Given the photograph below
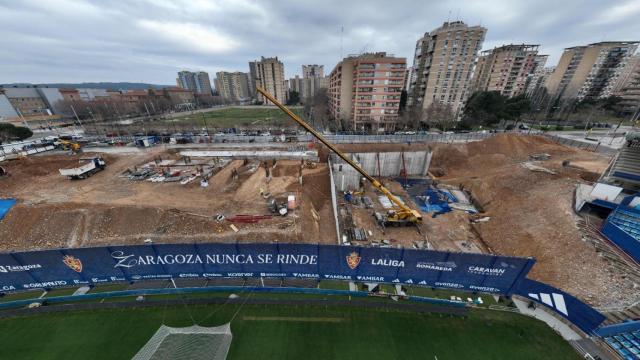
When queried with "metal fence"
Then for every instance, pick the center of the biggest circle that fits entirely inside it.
(596, 147)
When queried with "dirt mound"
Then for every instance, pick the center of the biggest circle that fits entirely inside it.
(286, 168)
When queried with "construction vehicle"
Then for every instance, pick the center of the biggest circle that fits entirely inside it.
(400, 214)
(69, 145)
(92, 166)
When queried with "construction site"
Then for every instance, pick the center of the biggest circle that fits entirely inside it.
(508, 195)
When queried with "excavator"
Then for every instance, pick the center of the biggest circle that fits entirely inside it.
(400, 214)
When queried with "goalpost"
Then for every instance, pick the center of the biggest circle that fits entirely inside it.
(187, 343)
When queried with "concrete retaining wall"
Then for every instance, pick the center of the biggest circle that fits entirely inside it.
(416, 163)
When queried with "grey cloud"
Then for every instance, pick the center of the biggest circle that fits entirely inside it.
(149, 40)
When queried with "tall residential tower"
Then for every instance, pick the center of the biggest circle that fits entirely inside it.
(443, 65)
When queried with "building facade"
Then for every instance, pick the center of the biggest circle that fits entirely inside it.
(364, 91)
(629, 89)
(270, 76)
(198, 82)
(591, 71)
(444, 64)
(505, 69)
(233, 85)
(253, 78)
(27, 101)
(312, 71)
(7, 111)
(538, 76)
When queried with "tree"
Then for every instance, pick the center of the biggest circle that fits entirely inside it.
(403, 101)
(12, 132)
(439, 115)
(294, 98)
(490, 107)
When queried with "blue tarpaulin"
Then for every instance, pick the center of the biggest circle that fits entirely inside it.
(5, 206)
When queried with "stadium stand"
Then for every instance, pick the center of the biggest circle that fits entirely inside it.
(625, 168)
(623, 338)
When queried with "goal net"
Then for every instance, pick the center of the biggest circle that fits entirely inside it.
(192, 343)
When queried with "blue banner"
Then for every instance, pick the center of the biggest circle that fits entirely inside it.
(567, 306)
(66, 267)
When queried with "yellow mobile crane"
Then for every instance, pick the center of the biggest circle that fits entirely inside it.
(401, 213)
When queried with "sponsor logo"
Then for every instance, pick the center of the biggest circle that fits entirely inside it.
(387, 262)
(484, 288)
(273, 274)
(353, 260)
(73, 263)
(449, 285)
(7, 287)
(306, 275)
(370, 278)
(44, 284)
(438, 266)
(337, 277)
(486, 271)
(553, 300)
(17, 268)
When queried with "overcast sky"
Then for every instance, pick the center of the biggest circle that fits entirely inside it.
(150, 40)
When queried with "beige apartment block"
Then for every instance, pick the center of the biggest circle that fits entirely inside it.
(270, 76)
(506, 69)
(364, 91)
(590, 71)
(443, 66)
(233, 85)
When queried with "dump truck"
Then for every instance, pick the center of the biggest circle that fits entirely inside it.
(90, 167)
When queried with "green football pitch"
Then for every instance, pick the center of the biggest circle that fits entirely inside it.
(288, 332)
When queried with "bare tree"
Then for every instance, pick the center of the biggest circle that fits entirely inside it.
(439, 115)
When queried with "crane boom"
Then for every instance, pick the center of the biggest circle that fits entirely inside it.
(405, 212)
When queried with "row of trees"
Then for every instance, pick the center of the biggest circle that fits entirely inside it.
(110, 108)
(10, 132)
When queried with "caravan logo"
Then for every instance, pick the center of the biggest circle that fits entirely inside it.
(557, 302)
(73, 263)
(353, 260)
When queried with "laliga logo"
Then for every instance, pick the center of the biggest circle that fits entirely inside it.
(353, 260)
(73, 263)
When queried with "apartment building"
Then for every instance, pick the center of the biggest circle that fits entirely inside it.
(307, 86)
(505, 69)
(444, 64)
(629, 89)
(270, 76)
(312, 71)
(198, 82)
(253, 77)
(364, 90)
(591, 71)
(233, 85)
(538, 76)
